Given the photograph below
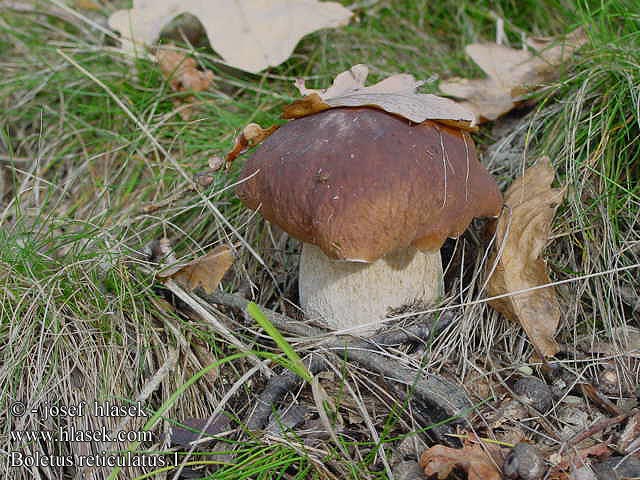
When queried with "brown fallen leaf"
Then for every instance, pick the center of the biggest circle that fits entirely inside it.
(396, 94)
(510, 73)
(440, 460)
(574, 458)
(183, 75)
(250, 136)
(248, 34)
(204, 272)
(553, 52)
(522, 236)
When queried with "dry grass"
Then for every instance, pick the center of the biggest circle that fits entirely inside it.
(95, 164)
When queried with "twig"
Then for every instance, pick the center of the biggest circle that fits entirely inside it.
(281, 322)
(597, 427)
(397, 336)
(276, 389)
(437, 398)
(596, 396)
(195, 305)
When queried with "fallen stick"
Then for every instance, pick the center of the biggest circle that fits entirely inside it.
(281, 322)
(434, 397)
(598, 427)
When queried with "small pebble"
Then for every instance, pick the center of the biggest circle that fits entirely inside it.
(535, 392)
(524, 462)
(408, 470)
(615, 468)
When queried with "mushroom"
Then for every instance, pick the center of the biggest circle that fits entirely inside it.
(372, 197)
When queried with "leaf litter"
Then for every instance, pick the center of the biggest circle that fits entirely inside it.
(477, 459)
(183, 75)
(511, 73)
(522, 233)
(205, 272)
(250, 35)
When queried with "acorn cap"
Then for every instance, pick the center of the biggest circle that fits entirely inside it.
(360, 183)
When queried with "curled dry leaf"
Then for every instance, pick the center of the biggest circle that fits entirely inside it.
(522, 236)
(440, 460)
(396, 94)
(510, 73)
(183, 75)
(250, 136)
(248, 34)
(204, 272)
(576, 458)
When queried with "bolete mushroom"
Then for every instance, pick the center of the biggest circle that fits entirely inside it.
(373, 197)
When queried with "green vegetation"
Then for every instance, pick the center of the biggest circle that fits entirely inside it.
(84, 190)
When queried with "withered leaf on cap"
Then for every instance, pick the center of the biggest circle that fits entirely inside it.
(396, 94)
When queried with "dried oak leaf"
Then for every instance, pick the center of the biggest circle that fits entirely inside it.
(396, 94)
(510, 73)
(440, 460)
(204, 272)
(183, 75)
(250, 35)
(522, 236)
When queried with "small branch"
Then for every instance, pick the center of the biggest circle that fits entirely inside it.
(281, 322)
(437, 398)
(195, 305)
(397, 336)
(276, 389)
(434, 397)
(596, 396)
(598, 427)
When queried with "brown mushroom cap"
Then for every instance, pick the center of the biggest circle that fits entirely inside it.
(360, 183)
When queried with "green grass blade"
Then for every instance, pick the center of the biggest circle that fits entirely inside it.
(296, 365)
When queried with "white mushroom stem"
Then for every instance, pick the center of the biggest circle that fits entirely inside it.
(346, 295)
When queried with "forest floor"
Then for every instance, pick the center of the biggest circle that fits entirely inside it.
(97, 166)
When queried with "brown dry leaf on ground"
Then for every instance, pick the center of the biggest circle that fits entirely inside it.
(522, 236)
(510, 73)
(396, 94)
(248, 34)
(183, 75)
(573, 458)
(472, 458)
(204, 272)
